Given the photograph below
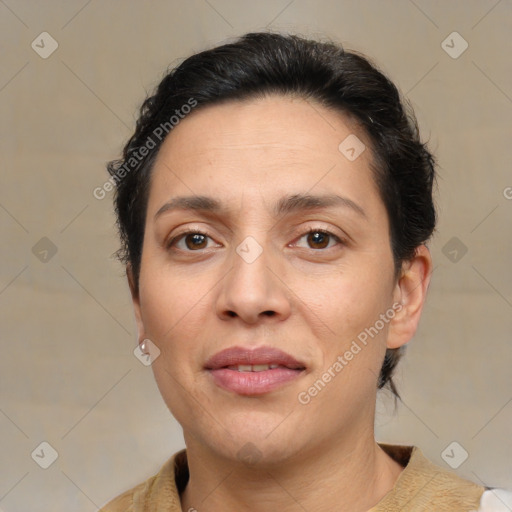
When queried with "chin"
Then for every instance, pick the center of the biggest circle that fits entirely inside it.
(266, 453)
(259, 443)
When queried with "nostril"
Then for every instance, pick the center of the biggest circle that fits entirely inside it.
(269, 313)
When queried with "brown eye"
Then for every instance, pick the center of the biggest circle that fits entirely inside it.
(195, 241)
(190, 241)
(318, 240)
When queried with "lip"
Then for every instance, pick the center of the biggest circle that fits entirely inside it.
(253, 382)
(262, 355)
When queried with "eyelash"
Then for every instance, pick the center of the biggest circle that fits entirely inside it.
(179, 237)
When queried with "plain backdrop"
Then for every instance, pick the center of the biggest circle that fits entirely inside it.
(68, 374)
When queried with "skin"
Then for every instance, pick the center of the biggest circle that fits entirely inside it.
(322, 293)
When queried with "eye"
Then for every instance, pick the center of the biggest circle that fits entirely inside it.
(193, 240)
(320, 238)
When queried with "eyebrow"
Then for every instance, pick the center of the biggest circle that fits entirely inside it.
(286, 205)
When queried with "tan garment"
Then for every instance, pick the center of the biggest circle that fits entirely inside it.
(421, 487)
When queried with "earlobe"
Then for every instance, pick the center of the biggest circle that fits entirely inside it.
(134, 290)
(411, 292)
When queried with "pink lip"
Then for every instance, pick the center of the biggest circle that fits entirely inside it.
(253, 383)
(261, 355)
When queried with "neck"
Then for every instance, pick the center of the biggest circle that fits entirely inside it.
(353, 475)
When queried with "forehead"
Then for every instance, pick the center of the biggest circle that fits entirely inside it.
(269, 144)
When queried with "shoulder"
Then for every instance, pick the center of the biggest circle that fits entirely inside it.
(158, 491)
(496, 500)
(423, 483)
(125, 502)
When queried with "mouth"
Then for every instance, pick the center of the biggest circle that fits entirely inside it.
(253, 372)
(256, 367)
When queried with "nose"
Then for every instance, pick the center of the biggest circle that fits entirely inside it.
(254, 289)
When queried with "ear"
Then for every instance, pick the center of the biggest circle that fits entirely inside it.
(134, 290)
(410, 291)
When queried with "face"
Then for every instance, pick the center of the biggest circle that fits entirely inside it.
(266, 267)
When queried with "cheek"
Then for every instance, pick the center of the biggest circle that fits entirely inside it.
(348, 301)
(168, 307)
(170, 313)
(344, 311)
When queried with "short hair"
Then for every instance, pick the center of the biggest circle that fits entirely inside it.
(262, 64)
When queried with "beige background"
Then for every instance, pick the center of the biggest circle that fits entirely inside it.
(68, 375)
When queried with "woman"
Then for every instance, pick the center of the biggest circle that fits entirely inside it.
(274, 203)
